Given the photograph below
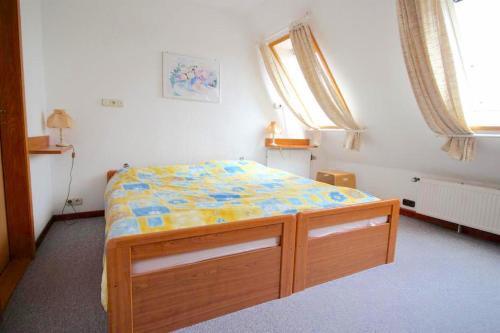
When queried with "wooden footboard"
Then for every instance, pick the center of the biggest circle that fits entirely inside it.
(322, 259)
(179, 296)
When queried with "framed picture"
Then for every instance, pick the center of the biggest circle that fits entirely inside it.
(191, 78)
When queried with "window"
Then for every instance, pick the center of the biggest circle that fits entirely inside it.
(478, 36)
(283, 51)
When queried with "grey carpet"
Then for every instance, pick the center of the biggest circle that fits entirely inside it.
(60, 290)
(441, 282)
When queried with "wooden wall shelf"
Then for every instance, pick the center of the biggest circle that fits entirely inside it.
(40, 145)
(289, 144)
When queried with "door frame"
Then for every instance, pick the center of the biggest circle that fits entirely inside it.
(15, 159)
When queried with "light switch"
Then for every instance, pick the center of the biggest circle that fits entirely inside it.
(113, 103)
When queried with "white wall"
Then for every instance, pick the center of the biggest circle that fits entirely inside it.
(385, 182)
(95, 49)
(35, 97)
(360, 39)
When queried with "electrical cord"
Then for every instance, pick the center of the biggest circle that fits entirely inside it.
(73, 155)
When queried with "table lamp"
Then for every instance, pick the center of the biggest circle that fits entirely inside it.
(273, 129)
(60, 119)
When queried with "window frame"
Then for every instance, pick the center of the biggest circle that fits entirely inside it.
(272, 44)
(478, 127)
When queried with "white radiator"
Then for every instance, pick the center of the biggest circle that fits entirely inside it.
(468, 205)
(296, 161)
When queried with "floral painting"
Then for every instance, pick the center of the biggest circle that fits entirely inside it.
(191, 78)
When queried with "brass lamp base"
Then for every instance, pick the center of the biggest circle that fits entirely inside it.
(61, 140)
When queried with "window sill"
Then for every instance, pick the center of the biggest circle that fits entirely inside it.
(487, 135)
(486, 128)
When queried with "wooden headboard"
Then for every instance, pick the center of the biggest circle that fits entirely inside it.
(110, 174)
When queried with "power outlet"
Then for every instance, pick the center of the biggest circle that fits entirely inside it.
(408, 203)
(75, 202)
(113, 103)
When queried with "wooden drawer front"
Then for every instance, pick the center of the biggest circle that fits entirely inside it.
(185, 295)
(337, 255)
(346, 179)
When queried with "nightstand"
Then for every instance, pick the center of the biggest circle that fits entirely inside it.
(337, 178)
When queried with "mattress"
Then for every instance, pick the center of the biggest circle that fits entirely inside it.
(150, 265)
(153, 199)
(321, 232)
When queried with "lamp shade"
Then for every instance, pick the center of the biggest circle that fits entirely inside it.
(273, 128)
(59, 119)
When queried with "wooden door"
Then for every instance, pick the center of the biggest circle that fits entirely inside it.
(16, 186)
(14, 147)
(4, 240)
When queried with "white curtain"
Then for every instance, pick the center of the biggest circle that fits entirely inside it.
(322, 85)
(284, 87)
(430, 46)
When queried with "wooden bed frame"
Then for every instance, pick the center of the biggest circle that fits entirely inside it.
(175, 297)
(323, 259)
(180, 296)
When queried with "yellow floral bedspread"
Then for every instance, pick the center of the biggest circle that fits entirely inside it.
(144, 200)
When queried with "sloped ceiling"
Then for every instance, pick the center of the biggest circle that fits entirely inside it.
(360, 39)
(234, 6)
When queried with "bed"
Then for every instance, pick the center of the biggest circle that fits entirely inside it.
(187, 243)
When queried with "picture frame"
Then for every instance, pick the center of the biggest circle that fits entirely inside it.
(191, 78)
